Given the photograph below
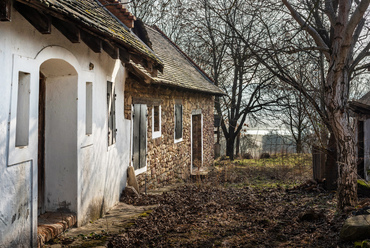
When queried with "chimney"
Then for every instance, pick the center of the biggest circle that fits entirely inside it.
(119, 9)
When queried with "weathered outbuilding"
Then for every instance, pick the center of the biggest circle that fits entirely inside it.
(361, 108)
(172, 115)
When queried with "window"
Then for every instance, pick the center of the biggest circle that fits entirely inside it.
(156, 121)
(178, 122)
(23, 110)
(111, 102)
(89, 108)
(139, 149)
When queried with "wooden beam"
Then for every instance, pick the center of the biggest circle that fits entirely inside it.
(93, 42)
(5, 10)
(111, 50)
(69, 30)
(39, 20)
(124, 55)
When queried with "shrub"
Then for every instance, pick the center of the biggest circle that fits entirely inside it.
(247, 156)
(265, 155)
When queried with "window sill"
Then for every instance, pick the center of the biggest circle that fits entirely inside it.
(178, 140)
(112, 146)
(141, 170)
(156, 135)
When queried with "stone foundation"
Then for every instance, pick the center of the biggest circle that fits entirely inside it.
(167, 160)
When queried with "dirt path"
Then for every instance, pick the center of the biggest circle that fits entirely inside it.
(227, 210)
(243, 204)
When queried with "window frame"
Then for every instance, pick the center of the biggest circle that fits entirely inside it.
(180, 139)
(20, 154)
(157, 134)
(89, 109)
(111, 115)
(133, 116)
(22, 126)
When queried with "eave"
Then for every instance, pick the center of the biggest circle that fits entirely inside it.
(96, 38)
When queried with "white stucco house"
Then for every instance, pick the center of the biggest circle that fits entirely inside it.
(64, 141)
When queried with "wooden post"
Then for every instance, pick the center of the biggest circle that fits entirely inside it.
(318, 163)
(5, 10)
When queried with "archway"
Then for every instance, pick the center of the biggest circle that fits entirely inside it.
(57, 153)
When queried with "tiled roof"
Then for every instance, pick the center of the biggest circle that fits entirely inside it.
(94, 16)
(361, 106)
(179, 70)
(365, 99)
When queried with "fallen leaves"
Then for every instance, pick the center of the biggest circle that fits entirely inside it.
(221, 211)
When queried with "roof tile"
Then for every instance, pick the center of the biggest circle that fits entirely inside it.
(95, 16)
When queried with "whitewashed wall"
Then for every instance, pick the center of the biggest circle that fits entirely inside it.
(100, 171)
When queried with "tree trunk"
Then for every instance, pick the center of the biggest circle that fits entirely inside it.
(331, 165)
(230, 147)
(347, 166)
(237, 148)
(299, 146)
(336, 101)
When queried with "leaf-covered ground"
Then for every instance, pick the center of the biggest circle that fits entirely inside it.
(249, 203)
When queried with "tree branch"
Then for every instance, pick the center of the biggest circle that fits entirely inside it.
(355, 19)
(309, 29)
(295, 50)
(360, 57)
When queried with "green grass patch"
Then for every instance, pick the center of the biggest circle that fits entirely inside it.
(283, 171)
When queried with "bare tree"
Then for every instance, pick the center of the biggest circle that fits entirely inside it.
(172, 17)
(295, 117)
(336, 29)
(230, 63)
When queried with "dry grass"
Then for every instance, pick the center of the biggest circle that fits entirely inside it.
(280, 170)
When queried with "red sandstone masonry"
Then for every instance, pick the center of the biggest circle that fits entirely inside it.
(166, 160)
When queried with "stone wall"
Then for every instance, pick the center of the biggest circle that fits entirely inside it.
(167, 160)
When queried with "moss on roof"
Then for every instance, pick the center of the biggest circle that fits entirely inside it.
(92, 14)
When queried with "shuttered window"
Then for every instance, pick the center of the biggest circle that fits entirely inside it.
(178, 122)
(111, 102)
(139, 135)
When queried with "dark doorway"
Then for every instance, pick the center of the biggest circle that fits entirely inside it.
(197, 141)
(139, 136)
(57, 137)
(361, 154)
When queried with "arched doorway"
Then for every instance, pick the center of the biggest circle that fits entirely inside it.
(57, 153)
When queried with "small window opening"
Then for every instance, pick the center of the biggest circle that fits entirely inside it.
(156, 118)
(23, 110)
(111, 101)
(89, 107)
(178, 122)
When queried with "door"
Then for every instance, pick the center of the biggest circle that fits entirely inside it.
(57, 148)
(196, 141)
(139, 136)
(361, 154)
(41, 148)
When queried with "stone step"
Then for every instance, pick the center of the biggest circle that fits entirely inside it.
(51, 225)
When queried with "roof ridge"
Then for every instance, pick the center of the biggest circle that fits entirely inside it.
(120, 11)
(113, 15)
(201, 71)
